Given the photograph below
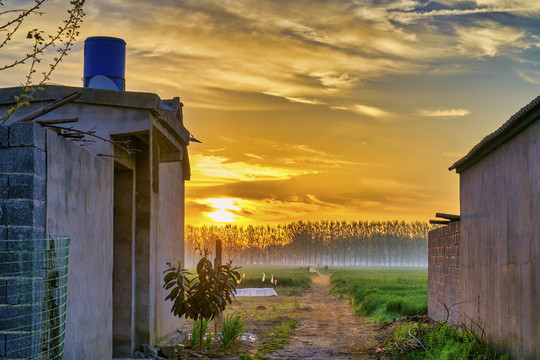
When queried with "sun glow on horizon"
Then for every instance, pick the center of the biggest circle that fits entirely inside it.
(221, 214)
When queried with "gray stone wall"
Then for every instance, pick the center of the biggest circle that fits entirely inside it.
(22, 218)
(443, 273)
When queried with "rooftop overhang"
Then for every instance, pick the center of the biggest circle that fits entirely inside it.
(168, 112)
(114, 115)
(516, 124)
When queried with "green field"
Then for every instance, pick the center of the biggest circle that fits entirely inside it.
(290, 280)
(382, 293)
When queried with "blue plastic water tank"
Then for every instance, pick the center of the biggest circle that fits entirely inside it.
(104, 57)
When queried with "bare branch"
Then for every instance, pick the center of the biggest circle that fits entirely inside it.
(69, 131)
(24, 14)
(65, 35)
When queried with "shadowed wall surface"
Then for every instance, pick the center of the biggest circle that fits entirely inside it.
(443, 273)
(80, 203)
(500, 244)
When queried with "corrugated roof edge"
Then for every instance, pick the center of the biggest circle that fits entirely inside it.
(517, 123)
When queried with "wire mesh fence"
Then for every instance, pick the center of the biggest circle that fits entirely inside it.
(33, 284)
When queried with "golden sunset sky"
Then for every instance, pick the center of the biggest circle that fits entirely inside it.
(312, 110)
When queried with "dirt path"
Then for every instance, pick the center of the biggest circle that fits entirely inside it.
(329, 328)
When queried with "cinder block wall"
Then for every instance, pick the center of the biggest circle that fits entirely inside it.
(443, 273)
(22, 216)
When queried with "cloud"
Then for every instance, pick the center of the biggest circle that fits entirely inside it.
(415, 16)
(254, 156)
(443, 112)
(489, 39)
(287, 94)
(530, 76)
(294, 199)
(301, 156)
(369, 111)
(212, 170)
(304, 100)
(334, 81)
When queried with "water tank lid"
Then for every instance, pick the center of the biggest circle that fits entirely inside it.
(105, 38)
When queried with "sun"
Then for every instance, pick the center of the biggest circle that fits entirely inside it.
(221, 214)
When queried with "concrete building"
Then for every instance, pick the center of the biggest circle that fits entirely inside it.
(498, 238)
(124, 210)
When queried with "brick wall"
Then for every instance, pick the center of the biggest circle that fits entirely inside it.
(22, 216)
(443, 273)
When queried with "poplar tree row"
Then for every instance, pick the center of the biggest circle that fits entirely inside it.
(332, 243)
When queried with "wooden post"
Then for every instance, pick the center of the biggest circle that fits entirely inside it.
(218, 320)
(50, 107)
(217, 260)
(450, 217)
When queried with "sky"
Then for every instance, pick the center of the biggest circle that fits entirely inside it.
(312, 110)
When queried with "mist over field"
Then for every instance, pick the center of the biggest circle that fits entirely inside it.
(317, 243)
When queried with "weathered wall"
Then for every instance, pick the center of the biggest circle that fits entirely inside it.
(22, 217)
(443, 273)
(170, 247)
(500, 244)
(80, 204)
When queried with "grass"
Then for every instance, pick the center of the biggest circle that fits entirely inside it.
(290, 280)
(273, 340)
(278, 337)
(196, 333)
(383, 294)
(440, 342)
(233, 327)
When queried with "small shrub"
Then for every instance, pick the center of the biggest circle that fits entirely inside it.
(202, 296)
(232, 330)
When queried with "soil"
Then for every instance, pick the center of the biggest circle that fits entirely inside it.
(329, 329)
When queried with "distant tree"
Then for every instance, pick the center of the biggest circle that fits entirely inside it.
(12, 19)
(344, 243)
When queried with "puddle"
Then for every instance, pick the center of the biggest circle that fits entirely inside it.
(247, 337)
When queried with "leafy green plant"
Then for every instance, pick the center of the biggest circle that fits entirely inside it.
(204, 295)
(233, 327)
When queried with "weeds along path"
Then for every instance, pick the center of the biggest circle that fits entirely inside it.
(329, 329)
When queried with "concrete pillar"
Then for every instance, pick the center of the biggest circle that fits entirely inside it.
(142, 245)
(124, 262)
(22, 218)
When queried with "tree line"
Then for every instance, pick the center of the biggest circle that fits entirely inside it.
(332, 243)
